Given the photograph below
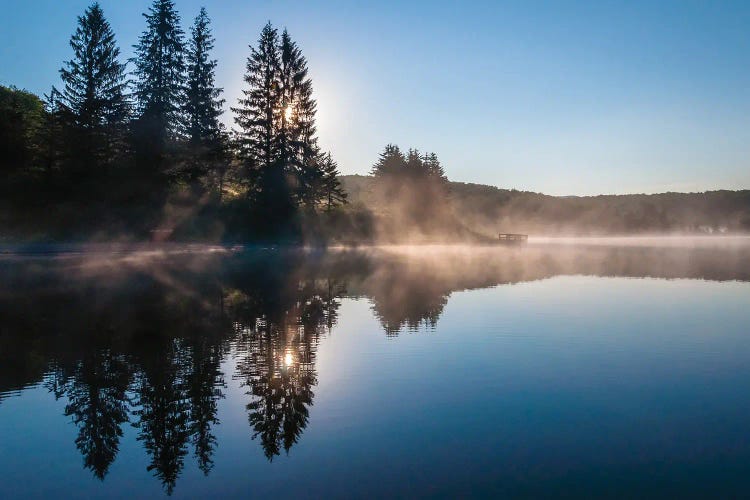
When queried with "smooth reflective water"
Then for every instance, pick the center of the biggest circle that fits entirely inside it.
(546, 370)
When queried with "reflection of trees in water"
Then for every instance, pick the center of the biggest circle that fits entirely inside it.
(147, 351)
(96, 390)
(167, 387)
(280, 384)
(163, 410)
(178, 382)
(205, 382)
(276, 362)
(145, 345)
(410, 313)
(405, 295)
(155, 364)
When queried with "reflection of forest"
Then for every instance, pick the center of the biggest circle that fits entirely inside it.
(142, 344)
(140, 340)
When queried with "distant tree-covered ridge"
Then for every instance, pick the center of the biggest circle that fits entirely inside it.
(409, 199)
(484, 211)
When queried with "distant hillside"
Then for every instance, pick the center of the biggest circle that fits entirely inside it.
(488, 210)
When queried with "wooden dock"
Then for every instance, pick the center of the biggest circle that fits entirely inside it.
(513, 238)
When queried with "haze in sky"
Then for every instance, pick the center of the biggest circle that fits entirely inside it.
(557, 97)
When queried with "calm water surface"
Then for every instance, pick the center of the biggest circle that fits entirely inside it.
(570, 369)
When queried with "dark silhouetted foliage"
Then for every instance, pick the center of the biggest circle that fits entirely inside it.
(94, 94)
(276, 143)
(23, 117)
(203, 105)
(333, 192)
(160, 74)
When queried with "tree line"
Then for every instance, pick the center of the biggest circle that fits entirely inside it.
(137, 146)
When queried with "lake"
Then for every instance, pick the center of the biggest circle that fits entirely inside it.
(565, 368)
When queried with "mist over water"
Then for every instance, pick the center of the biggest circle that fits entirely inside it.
(564, 366)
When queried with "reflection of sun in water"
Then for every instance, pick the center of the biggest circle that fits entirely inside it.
(288, 112)
(288, 359)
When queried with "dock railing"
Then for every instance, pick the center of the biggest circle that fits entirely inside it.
(513, 237)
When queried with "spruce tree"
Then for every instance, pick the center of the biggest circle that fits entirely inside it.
(390, 162)
(333, 192)
(298, 141)
(203, 103)
(277, 136)
(414, 166)
(94, 94)
(289, 58)
(259, 111)
(160, 73)
(433, 166)
(259, 117)
(310, 188)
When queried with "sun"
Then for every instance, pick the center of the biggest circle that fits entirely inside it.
(288, 359)
(288, 112)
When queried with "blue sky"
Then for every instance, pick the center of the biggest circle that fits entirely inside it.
(557, 97)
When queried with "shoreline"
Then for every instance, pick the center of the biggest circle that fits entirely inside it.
(52, 249)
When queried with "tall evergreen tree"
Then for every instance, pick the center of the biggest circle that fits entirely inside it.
(298, 143)
(290, 58)
(203, 103)
(94, 93)
(160, 72)
(258, 112)
(299, 147)
(333, 192)
(278, 140)
(259, 115)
